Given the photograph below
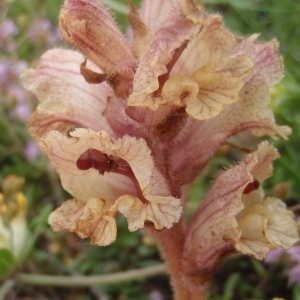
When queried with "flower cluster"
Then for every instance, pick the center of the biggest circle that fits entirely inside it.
(128, 122)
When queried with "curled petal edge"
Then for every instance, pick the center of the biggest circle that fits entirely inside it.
(94, 220)
(215, 232)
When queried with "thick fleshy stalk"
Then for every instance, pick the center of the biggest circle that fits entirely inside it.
(170, 243)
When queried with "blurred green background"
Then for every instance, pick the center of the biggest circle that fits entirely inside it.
(27, 29)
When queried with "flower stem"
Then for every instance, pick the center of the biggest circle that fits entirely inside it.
(185, 286)
(48, 280)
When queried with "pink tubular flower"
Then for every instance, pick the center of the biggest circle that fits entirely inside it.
(131, 121)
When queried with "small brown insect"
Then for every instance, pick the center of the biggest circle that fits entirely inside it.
(95, 159)
(252, 186)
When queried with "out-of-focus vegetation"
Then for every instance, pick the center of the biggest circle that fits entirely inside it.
(27, 29)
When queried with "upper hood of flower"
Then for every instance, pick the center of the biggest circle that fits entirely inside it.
(88, 20)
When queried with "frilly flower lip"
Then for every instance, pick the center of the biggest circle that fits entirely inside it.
(106, 177)
(213, 80)
(235, 216)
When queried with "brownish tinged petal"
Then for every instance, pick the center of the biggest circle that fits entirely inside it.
(182, 22)
(87, 25)
(267, 59)
(154, 11)
(141, 196)
(207, 60)
(97, 223)
(251, 112)
(213, 230)
(66, 99)
(139, 30)
(266, 225)
(64, 218)
(89, 219)
(231, 218)
(64, 152)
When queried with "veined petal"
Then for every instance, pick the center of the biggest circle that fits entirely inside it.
(154, 11)
(210, 46)
(213, 230)
(91, 219)
(180, 24)
(98, 222)
(267, 59)
(64, 153)
(158, 206)
(66, 99)
(231, 217)
(119, 120)
(144, 189)
(250, 112)
(64, 218)
(264, 226)
(208, 61)
(163, 212)
(218, 87)
(134, 211)
(87, 25)
(281, 229)
(139, 29)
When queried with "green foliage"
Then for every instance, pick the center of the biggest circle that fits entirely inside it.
(7, 262)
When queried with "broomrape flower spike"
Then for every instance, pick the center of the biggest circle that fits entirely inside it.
(128, 122)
